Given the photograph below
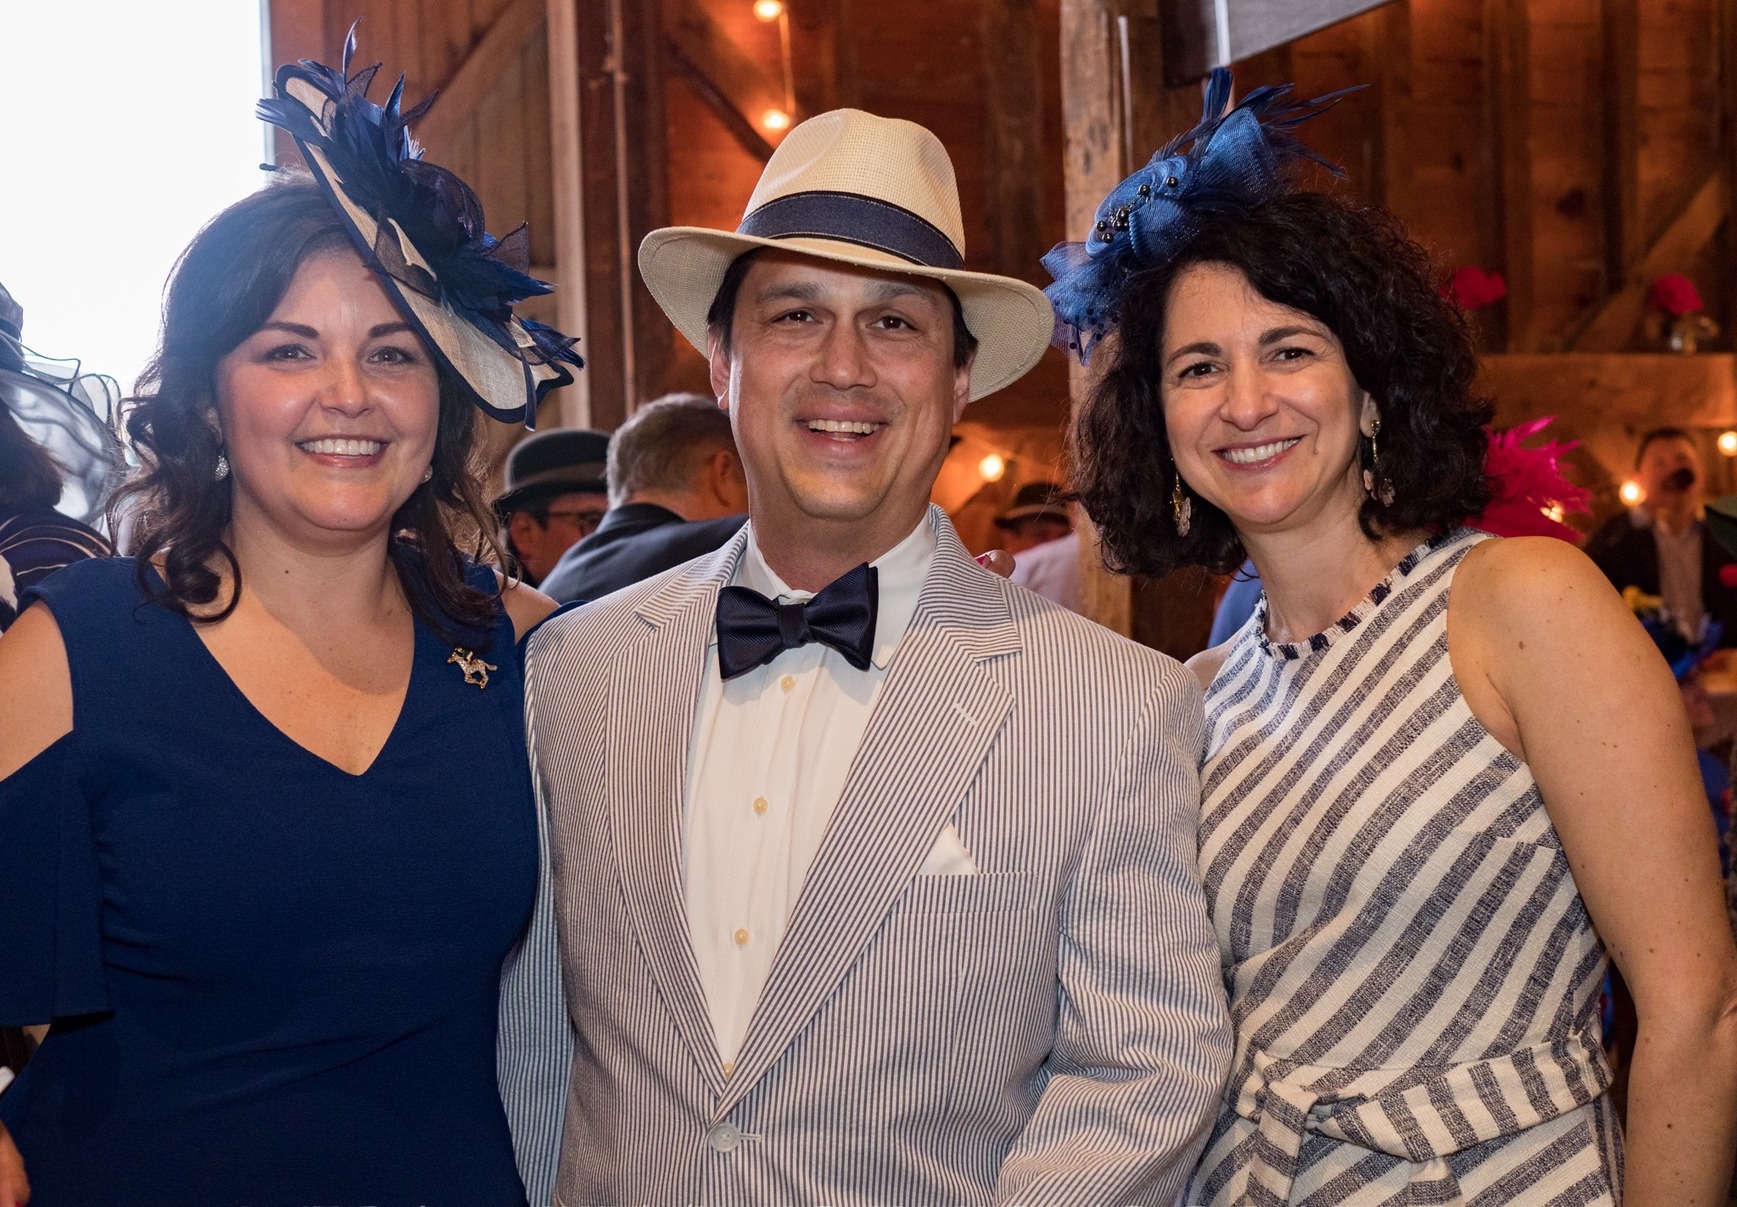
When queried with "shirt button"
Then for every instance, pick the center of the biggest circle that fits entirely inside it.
(759, 804)
(788, 683)
(729, 1067)
(741, 937)
(724, 1138)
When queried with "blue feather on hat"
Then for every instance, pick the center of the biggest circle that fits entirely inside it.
(1228, 162)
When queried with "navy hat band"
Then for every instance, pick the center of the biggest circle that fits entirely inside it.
(854, 218)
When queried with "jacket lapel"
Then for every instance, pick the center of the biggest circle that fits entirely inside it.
(932, 728)
(655, 684)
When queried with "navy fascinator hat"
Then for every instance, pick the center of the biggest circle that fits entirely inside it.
(1232, 160)
(420, 228)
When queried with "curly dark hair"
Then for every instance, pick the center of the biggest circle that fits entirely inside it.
(1352, 268)
(224, 287)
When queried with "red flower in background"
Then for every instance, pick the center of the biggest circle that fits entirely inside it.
(1675, 294)
(1471, 288)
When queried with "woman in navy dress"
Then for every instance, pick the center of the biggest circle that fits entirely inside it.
(267, 831)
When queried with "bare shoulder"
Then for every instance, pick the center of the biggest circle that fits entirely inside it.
(525, 605)
(1532, 585)
(1208, 663)
(35, 688)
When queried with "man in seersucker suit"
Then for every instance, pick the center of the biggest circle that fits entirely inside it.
(874, 874)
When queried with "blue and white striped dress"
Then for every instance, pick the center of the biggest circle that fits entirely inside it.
(1412, 974)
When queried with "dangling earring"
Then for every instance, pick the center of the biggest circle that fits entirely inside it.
(1373, 483)
(222, 470)
(1181, 506)
(428, 474)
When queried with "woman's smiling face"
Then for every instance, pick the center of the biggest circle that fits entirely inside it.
(1260, 406)
(329, 411)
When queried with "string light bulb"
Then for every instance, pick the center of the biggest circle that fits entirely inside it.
(768, 10)
(1728, 443)
(775, 119)
(992, 467)
(1554, 513)
(1631, 493)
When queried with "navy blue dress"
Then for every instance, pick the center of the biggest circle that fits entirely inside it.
(272, 982)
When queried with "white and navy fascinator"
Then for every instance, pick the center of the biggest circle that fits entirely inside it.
(1232, 160)
(421, 229)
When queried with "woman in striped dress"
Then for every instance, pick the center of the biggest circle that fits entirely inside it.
(1444, 773)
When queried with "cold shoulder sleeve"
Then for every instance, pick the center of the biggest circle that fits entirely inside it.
(50, 894)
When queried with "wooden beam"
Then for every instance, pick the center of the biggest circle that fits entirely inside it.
(477, 73)
(1388, 48)
(568, 185)
(814, 54)
(1612, 325)
(1620, 26)
(1507, 62)
(1013, 136)
(1116, 113)
(1727, 14)
(746, 134)
(1094, 161)
(734, 85)
(1202, 34)
(611, 177)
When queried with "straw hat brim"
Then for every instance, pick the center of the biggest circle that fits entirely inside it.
(1012, 320)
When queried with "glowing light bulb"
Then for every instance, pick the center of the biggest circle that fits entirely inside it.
(1632, 494)
(1728, 443)
(775, 119)
(992, 467)
(1553, 512)
(768, 10)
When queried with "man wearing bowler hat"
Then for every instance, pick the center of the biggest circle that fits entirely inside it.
(874, 874)
(556, 495)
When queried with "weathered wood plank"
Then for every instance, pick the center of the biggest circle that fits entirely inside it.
(737, 88)
(1612, 326)
(566, 180)
(470, 83)
(1387, 47)
(1508, 71)
(1012, 137)
(1619, 48)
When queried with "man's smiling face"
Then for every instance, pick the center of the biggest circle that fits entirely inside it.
(842, 389)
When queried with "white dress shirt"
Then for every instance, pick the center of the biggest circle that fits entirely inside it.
(766, 767)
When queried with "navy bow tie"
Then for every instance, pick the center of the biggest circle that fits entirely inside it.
(753, 630)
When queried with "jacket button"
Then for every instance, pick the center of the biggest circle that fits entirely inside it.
(724, 1138)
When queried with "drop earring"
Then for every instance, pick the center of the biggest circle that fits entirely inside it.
(1181, 506)
(1373, 483)
(222, 470)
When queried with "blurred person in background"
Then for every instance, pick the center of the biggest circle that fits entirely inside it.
(1662, 546)
(676, 491)
(50, 436)
(555, 497)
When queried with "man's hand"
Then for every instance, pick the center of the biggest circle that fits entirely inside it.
(14, 1186)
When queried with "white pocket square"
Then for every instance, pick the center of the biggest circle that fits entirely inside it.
(949, 858)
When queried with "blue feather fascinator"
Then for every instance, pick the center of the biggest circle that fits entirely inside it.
(1233, 159)
(421, 229)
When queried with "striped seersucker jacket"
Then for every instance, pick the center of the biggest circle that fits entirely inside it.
(1049, 1031)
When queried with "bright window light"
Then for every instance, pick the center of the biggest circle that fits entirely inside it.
(128, 126)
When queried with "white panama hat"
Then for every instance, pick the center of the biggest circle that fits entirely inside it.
(872, 191)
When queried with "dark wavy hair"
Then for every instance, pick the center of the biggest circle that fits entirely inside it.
(1352, 268)
(223, 289)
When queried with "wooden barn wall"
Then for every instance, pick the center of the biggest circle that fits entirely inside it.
(1554, 141)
